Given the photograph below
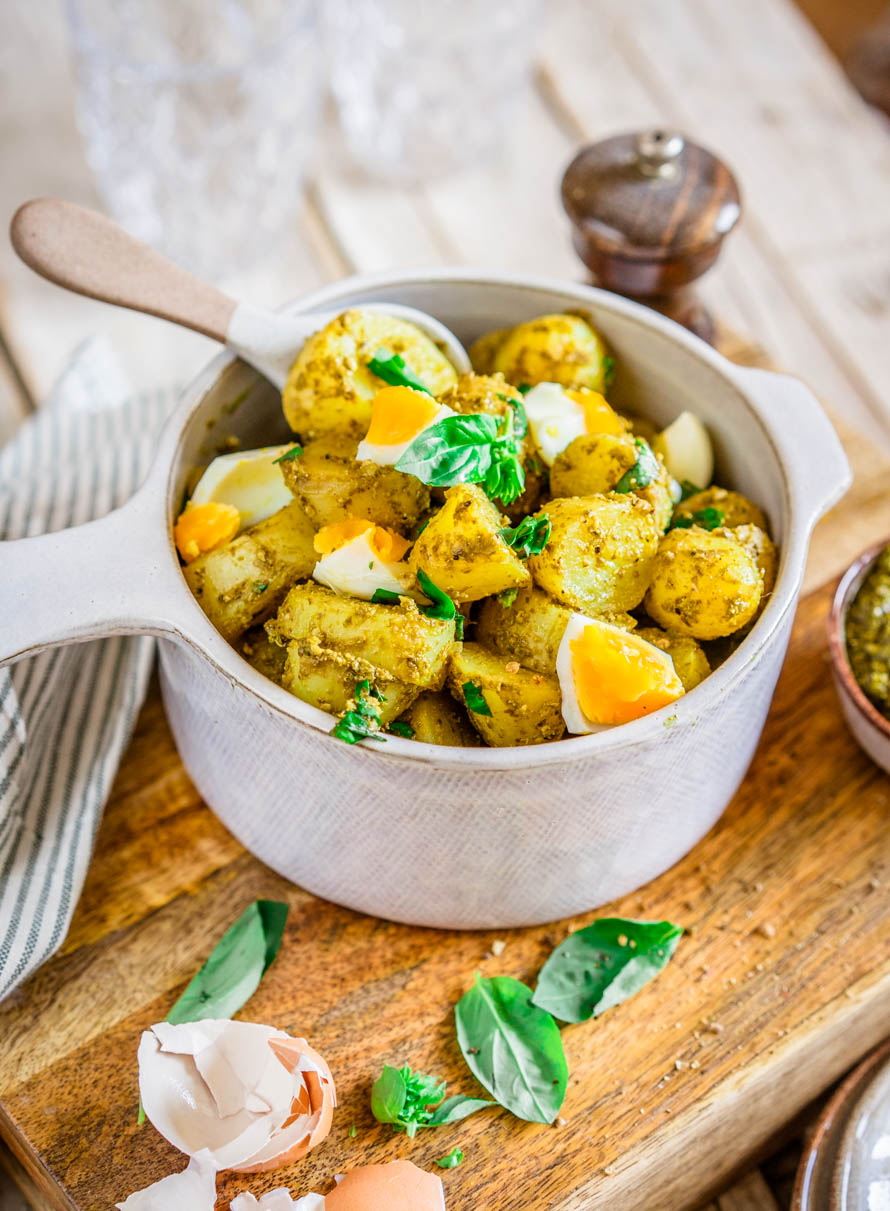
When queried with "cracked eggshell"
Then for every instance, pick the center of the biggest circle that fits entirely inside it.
(194, 1189)
(398, 1186)
(277, 1200)
(251, 1095)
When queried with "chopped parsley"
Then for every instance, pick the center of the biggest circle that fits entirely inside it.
(506, 598)
(608, 371)
(289, 455)
(530, 537)
(451, 1160)
(475, 699)
(400, 728)
(644, 471)
(385, 597)
(709, 518)
(392, 368)
(260, 586)
(687, 489)
(363, 721)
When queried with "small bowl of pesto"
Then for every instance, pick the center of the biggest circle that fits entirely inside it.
(859, 641)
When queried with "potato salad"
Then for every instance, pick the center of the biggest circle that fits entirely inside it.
(500, 557)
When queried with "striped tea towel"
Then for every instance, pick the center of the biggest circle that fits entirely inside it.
(66, 715)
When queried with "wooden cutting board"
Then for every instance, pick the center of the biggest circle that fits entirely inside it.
(782, 982)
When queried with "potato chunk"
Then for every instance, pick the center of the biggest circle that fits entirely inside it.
(560, 349)
(329, 680)
(266, 657)
(330, 387)
(241, 583)
(690, 662)
(484, 350)
(462, 550)
(704, 584)
(526, 707)
(761, 548)
(396, 639)
(530, 629)
(737, 510)
(332, 485)
(592, 463)
(436, 719)
(601, 551)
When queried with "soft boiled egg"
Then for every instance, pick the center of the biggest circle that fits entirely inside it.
(358, 558)
(609, 676)
(250, 480)
(398, 416)
(557, 415)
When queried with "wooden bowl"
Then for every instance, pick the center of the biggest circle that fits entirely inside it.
(869, 727)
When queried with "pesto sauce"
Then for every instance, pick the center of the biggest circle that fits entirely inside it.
(868, 634)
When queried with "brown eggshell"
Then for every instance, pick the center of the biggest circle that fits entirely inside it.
(398, 1186)
(318, 1098)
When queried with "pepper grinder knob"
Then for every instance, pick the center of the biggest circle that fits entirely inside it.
(649, 213)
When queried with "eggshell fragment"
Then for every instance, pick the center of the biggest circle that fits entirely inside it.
(251, 1095)
(194, 1189)
(398, 1186)
(277, 1200)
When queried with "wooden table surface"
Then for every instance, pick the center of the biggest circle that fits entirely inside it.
(807, 277)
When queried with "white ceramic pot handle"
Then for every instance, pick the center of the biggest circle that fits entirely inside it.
(107, 577)
(819, 468)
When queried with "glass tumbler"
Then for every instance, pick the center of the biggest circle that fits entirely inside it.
(198, 119)
(424, 87)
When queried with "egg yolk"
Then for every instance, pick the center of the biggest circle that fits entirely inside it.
(200, 528)
(599, 416)
(398, 414)
(388, 546)
(619, 677)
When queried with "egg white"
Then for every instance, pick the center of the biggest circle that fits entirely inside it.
(356, 570)
(575, 719)
(687, 450)
(554, 419)
(388, 456)
(248, 479)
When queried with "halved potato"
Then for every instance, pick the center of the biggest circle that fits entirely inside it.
(242, 582)
(396, 639)
(553, 349)
(531, 628)
(704, 584)
(436, 719)
(330, 387)
(462, 551)
(328, 680)
(526, 707)
(690, 662)
(332, 485)
(601, 552)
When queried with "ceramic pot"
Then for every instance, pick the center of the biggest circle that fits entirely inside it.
(447, 837)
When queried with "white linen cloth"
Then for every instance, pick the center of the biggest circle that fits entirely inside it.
(66, 715)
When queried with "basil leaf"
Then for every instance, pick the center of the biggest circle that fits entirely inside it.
(235, 966)
(451, 1160)
(399, 728)
(530, 537)
(454, 450)
(709, 518)
(643, 472)
(600, 966)
(363, 721)
(289, 455)
(453, 1109)
(393, 369)
(475, 699)
(513, 1048)
(687, 489)
(385, 597)
(388, 1095)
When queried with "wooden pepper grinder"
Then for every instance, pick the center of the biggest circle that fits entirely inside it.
(649, 213)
